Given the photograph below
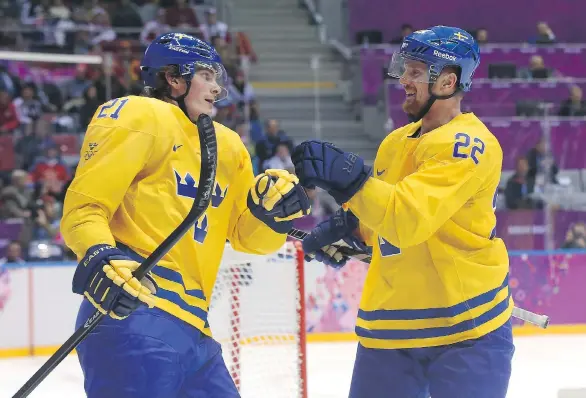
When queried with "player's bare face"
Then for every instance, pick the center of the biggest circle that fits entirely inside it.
(203, 93)
(415, 80)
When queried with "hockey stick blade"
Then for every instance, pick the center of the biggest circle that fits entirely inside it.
(207, 177)
(527, 316)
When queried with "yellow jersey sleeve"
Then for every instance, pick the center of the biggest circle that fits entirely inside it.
(411, 211)
(113, 152)
(366, 234)
(246, 232)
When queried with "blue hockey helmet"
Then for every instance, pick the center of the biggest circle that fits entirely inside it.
(188, 53)
(438, 47)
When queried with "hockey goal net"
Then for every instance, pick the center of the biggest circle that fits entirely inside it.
(257, 313)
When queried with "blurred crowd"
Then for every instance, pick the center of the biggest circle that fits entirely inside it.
(42, 120)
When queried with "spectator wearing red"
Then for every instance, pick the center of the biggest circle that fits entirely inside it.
(8, 116)
(244, 47)
(50, 165)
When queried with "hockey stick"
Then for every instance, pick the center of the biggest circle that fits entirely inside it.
(524, 315)
(207, 177)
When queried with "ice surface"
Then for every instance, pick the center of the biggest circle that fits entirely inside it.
(542, 366)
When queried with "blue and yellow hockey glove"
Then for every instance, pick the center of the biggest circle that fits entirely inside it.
(328, 237)
(322, 164)
(276, 198)
(104, 277)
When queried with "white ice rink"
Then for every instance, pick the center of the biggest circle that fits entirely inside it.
(543, 365)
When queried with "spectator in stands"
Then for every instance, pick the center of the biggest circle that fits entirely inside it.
(544, 35)
(575, 105)
(541, 163)
(34, 13)
(212, 27)
(74, 88)
(90, 105)
(126, 16)
(322, 204)
(17, 197)
(226, 114)
(536, 69)
(46, 220)
(150, 10)
(281, 159)
(8, 117)
(58, 10)
(242, 130)
(50, 187)
(101, 29)
(575, 237)
(227, 52)
(61, 14)
(482, 36)
(182, 16)
(406, 30)
(32, 145)
(240, 91)
(266, 148)
(49, 164)
(28, 108)
(155, 28)
(519, 187)
(13, 254)
(118, 89)
(7, 82)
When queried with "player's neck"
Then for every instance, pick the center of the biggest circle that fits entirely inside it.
(438, 116)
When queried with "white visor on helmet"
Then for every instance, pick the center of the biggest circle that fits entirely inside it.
(409, 70)
(211, 72)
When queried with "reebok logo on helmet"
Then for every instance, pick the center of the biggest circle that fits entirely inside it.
(444, 55)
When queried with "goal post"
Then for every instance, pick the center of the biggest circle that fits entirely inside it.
(257, 313)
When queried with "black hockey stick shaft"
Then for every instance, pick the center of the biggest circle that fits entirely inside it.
(207, 177)
(524, 315)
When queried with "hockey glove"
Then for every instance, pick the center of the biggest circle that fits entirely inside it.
(276, 198)
(322, 164)
(104, 277)
(326, 239)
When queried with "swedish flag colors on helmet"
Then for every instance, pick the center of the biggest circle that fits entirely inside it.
(438, 47)
(189, 53)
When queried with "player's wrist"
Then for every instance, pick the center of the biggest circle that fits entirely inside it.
(95, 258)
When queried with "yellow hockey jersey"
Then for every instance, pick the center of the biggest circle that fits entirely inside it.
(135, 183)
(438, 273)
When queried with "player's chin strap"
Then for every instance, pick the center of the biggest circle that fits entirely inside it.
(430, 101)
(181, 98)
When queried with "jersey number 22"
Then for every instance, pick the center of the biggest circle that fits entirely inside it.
(462, 145)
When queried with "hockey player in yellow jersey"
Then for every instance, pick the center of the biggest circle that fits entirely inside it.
(135, 183)
(434, 318)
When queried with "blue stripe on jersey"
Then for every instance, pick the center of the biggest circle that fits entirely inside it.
(411, 334)
(162, 272)
(428, 313)
(176, 299)
(175, 276)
